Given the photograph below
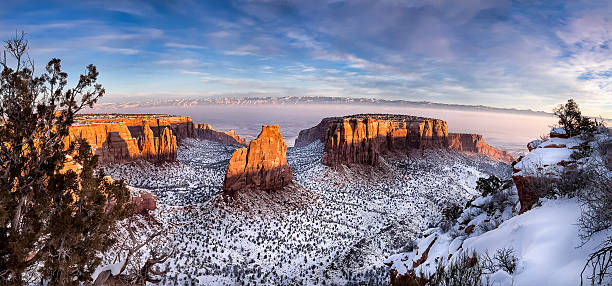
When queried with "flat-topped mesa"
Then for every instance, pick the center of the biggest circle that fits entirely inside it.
(362, 138)
(181, 126)
(474, 143)
(397, 138)
(120, 140)
(261, 166)
(206, 132)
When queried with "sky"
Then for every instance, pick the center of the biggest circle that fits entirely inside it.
(515, 54)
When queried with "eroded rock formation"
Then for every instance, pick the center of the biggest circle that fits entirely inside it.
(205, 131)
(261, 166)
(389, 133)
(120, 138)
(362, 138)
(536, 173)
(114, 142)
(474, 143)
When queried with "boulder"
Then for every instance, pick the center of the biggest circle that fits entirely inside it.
(261, 166)
(558, 133)
(143, 203)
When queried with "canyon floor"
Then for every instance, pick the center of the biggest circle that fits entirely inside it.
(355, 222)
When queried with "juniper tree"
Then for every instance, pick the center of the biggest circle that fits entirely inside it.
(51, 220)
(571, 119)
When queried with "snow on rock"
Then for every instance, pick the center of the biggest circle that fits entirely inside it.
(114, 268)
(545, 241)
(558, 132)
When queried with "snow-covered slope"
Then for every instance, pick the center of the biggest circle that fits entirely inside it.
(545, 241)
(360, 217)
(548, 241)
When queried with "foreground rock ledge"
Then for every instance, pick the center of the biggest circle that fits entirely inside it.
(261, 166)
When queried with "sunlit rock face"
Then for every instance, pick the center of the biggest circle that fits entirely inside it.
(474, 143)
(261, 166)
(125, 138)
(362, 138)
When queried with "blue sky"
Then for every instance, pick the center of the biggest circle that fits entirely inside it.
(523, 54)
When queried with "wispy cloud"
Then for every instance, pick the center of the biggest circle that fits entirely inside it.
(124, 51)
(184, 46)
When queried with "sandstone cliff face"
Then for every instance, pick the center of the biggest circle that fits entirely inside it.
(261, 166)
(469, 143)
(120, 140)
(361, 139)
(182, 127)
(474, 143)
(206, 132)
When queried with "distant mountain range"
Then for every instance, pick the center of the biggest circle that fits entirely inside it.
(294, 100)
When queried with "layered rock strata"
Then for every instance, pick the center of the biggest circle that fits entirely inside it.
(261, 166)
(474, 143)
(114, 143)
(206, 132)
(392, 134)
(120, 138)
(362, 138)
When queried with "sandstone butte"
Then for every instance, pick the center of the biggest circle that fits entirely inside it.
(261, 166)
(362, 138)
(120, 138)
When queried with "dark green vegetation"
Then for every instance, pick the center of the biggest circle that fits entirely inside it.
(53, 222)
(571, 119)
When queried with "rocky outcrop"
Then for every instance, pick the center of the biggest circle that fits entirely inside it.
(393, 135)
(206, 132)
(181, 126)
(315, 133)
(261, 166)
(536, 173)
(120, 138)
(474, 143)
(114, 143)
(362, 138)
(143, 203)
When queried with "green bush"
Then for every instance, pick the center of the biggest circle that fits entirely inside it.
(571, 119)
(488, 186)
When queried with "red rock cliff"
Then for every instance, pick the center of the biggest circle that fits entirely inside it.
(120, 138)
(474, 143)
(469, 143)
(205, 131)
(262, 166)
(362, 138)
(117, 139)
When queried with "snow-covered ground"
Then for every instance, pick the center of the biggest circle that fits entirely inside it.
(343, 238)
(547, 241)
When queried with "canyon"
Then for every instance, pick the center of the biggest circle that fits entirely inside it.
(261, 166)
(362, 138)
(121, 138)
